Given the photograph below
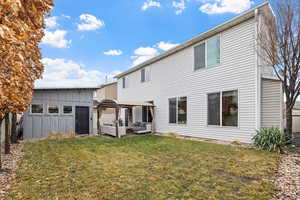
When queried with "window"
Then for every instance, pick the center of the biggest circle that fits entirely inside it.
(36, 109)
(53, 109)
(199, 56)
(146, 114)
(178, 110)
(124, 82)
(207, 54)
(145, 74)
(230, 108)
(214, 109)
(172, 110)
(229, 101)
(67, 110)
(182, 110)
(213, 52)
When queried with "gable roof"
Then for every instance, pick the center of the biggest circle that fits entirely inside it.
(224, 26)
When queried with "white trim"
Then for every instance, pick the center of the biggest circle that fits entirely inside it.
(30, 109)
(62, 110)
(48, 105)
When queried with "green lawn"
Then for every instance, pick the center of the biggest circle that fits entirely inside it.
(142, 167)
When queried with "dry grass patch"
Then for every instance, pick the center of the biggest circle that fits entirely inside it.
(142, 167)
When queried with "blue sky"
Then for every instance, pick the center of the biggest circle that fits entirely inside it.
(88, 40)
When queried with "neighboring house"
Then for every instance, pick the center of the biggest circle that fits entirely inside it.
(60, 110)
(106, 91)
(213, 86)
(296, 118)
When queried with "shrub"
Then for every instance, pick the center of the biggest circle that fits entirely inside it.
(271, 139)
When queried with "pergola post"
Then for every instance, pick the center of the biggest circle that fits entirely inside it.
(152, 111)
(99, 113)
(117, 122)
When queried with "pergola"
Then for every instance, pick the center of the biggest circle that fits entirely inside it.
(118, 105)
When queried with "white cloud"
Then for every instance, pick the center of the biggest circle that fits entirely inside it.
(143, 54)
(56, 38)
(51, 22)
(226, 6)
(66, 16)
(113, 53)
(150, 3)
(89, 23)
(145, 51)
(165, 46)
(67, 73)
(180, 6)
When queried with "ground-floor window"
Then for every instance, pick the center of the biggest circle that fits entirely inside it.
(146, 113)
(178, 110)
(223, 108)
(36, 109)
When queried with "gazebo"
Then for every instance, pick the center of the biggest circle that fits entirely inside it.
(118, 105)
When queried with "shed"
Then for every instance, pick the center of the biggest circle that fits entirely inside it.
(60, 110)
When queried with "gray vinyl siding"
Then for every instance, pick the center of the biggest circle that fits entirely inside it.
(38, 126)
(174, 76)
(271, 104)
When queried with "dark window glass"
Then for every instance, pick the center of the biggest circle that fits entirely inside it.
(172, 110)
(37, 108)
(199, 56)
(214, 109)
(68, 109)
(124, 82)
(53, 109)
(230, 108)
(143, 75)
(144, 113)
(182, 110)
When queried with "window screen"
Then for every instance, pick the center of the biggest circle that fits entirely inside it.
(53, 109)
(199, 56)
(230, 108)
(172, 110)
(182, 110)
(143, 75)
(68, 109)
(214, 109)
(37, 109)
(213, 51)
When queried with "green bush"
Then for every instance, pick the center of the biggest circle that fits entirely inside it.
(271, 139)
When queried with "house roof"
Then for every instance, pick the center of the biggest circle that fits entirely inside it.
(108, 84)
(226, 25)
(67, 88)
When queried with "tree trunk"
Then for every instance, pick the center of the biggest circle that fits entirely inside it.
(289, 121)
(1, 120)
(14, 128)
(7, 135)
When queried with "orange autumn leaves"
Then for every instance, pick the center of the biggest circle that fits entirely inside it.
(21, 31)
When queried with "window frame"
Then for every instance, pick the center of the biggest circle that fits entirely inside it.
(53, 113)
(30, 109)
(206, 55)
(221, 109)
(62, 110)
(176, 123)
(147, 73)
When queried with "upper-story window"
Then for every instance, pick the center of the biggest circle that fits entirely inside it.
(125, 82)
(208, 53)
(145, 74)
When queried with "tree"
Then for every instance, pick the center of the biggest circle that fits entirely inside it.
(14, 128)
(21, 31)
(279, 43)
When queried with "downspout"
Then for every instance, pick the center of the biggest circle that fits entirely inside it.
(257, 73)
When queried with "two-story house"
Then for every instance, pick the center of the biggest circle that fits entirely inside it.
(215, 85)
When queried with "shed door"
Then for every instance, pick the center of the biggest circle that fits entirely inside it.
(82, 120)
